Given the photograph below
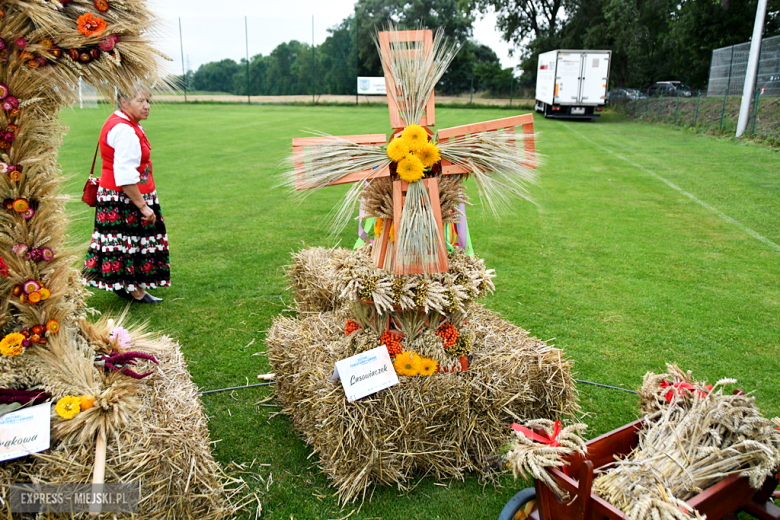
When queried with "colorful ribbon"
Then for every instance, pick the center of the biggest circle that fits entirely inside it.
(552, 440)
(544, 439)
(681, 387)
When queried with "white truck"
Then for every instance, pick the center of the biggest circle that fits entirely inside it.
(572, 83)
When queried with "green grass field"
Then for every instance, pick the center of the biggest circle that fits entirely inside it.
(644, 247)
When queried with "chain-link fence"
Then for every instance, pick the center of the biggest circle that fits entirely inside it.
(716, 110)
(729, 66)
(716, 115)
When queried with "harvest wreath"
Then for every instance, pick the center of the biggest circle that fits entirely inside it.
(49, 350)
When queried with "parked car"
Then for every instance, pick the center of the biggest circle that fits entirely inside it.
(624, 95)
(669, 88)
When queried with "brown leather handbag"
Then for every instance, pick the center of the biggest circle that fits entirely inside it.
(91, 187)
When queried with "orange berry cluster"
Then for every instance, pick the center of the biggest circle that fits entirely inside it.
(392, 342)
(448, 333)
(351, 327)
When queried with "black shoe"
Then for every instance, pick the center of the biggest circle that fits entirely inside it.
(148, 298)
(123, 294)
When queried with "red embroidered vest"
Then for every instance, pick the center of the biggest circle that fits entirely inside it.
(146, 183)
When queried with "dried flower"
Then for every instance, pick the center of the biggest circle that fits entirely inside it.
(11, 345)
(52, 326)
(21, 205)
(101, 5)
(121, 336)
(90, 25)
(31, 286)
(47, 254)
(68, 407)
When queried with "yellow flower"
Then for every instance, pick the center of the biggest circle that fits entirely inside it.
(407, 364)
(427, 366)
(415, 136)
(378, 226)
(68, 406)
(398, 149)
(429, 155)
(11, 344)
(410, 169)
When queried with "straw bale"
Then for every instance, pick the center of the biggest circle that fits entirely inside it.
(444, 425)
(312, 278)
(166, 447)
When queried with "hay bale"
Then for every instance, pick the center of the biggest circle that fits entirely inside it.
(165, 446)
(312, 279)
(444, 425)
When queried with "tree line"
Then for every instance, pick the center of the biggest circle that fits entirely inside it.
(332, 68)
(650, 40)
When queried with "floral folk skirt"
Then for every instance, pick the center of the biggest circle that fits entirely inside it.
(125, 252)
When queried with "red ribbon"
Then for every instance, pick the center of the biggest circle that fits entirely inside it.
(681, 387)
(552, 440)
(544, 439)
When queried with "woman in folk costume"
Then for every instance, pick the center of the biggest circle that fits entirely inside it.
(129, 249)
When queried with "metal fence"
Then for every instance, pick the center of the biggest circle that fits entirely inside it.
(729, 65)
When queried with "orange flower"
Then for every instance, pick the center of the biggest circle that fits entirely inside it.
(34, 297)
(21, 205)
(91, 25)
(45, 293)
(52, 325)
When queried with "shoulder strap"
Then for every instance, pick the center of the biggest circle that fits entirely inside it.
(92, 170)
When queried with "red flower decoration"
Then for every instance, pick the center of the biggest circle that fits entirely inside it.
(3, 268)
(106, 267)
(90, 25)
(90, 262)
(113, 215)
(116, 266)
(147, 267)
(101, 5)
(21, 43)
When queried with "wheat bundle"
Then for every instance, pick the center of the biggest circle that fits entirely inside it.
(699, 437)
(164, 443)
(155, 427)
(527, 457)
(444, 425)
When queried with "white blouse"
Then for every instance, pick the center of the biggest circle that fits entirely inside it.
(127, 152)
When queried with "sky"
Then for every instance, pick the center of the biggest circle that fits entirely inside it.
(210, 33)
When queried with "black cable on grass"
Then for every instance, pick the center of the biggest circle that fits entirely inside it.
(233, 388)
(607, 386)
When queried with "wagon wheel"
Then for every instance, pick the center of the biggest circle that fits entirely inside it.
(520, 506)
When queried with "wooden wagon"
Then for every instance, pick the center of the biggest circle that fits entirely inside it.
(720, 501)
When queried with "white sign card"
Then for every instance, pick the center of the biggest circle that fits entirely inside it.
(25, 431)
(371, 85)
(365, 373)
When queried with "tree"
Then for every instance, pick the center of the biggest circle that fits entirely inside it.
(703, 25)
(337, 66)
(375, 15)
(216, 76)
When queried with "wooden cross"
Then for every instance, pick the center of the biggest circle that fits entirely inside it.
(400, 187)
